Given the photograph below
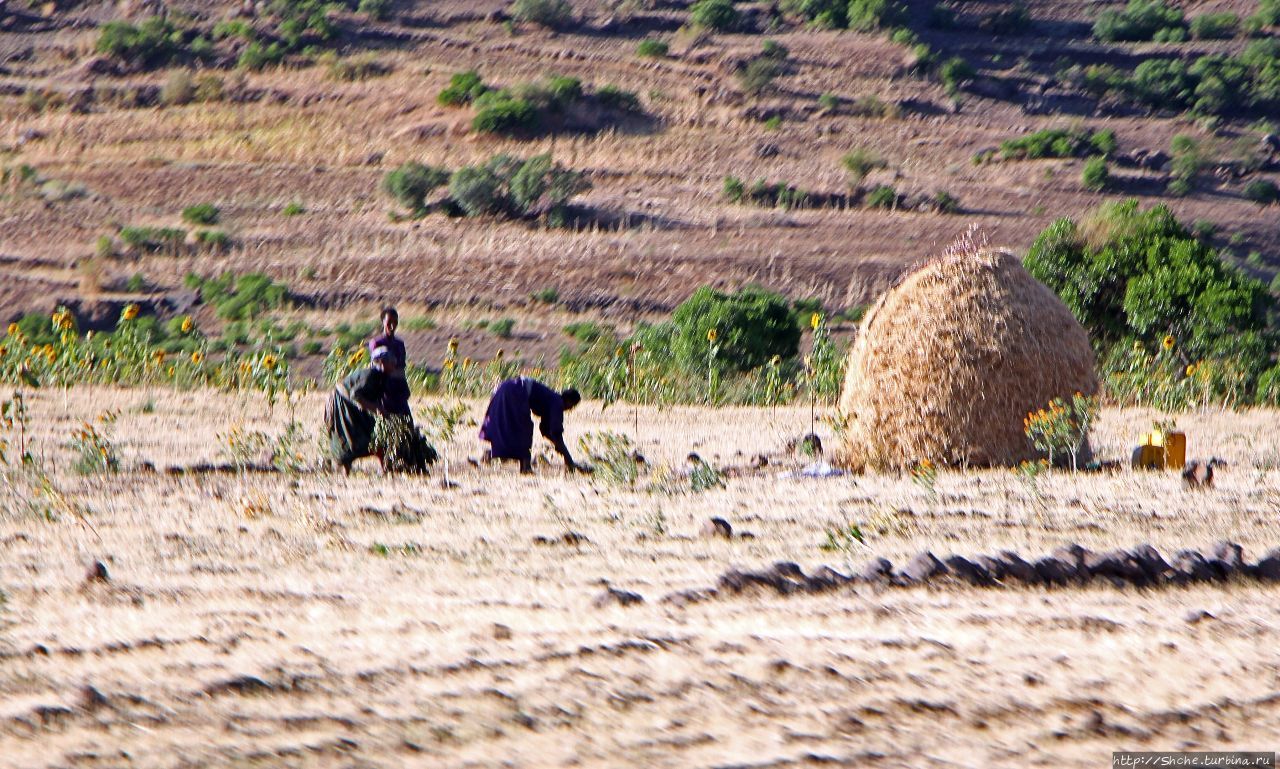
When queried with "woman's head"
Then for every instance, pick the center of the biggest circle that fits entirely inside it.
(390, 320)
(571, 398)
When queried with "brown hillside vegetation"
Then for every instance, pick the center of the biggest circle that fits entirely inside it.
(654, 224)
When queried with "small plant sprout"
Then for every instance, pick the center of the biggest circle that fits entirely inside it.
(1063, 426)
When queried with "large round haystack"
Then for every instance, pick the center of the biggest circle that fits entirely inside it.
(948, 363)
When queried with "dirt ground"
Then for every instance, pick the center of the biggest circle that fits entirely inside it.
(312, 620)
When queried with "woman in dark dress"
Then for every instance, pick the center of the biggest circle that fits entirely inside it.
(350, 415)
(508, 426)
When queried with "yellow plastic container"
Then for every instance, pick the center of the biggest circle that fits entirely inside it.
(1163, 450)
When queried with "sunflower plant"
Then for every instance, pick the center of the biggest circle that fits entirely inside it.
(1062, 426)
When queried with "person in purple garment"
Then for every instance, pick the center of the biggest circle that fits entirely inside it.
(508, 426)
(395, 396)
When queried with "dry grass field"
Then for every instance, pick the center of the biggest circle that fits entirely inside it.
(311, 620)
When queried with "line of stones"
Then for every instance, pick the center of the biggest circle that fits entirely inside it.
(1141, 566)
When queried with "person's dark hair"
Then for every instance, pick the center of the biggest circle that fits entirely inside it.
(571, 398)
(391, 312)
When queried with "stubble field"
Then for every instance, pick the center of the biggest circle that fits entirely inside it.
(271, 620)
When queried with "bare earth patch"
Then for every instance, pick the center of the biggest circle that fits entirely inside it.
(312, 620)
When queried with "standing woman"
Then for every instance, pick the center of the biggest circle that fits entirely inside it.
(395, 396)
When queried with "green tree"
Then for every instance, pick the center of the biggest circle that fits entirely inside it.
(751, 326)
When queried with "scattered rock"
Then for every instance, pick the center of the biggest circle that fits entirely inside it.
(1269, 567)
(717, 527)
(1190, 566)
(1227, 560)
(1196, 616)
(759, 461)
(1198, 474)
(1153, 565)
(501, 632)
(876, 570)
(767, 150)
(1055, 570)
(97, 573)
(1072, 554)
(682, 598)
(923, 567)
(612, 596)
(826, 578)
(1017, 569)
(1117, 566)
(92, 700)
(968, 571)
(571, 538)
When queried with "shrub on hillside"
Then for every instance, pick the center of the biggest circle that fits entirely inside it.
(411, 183)
(719, 15)
(1057, 143)
(881, 196)
(152, 43)
(870, 15)
(153, 239)
(1262, 191)
(201, 213)
(751, 326)
(652, 49)
(1215, 26)
(509, 186)
(953, 72)
(555, 14)
(1095, 175)
(500, 112)
(757, 75)
(1133, 274)
(463, 88)
(1013, 20)
(613, 97)
(1140, 20)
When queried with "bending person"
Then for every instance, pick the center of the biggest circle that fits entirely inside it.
(508, 426)
(349, 417)
(395, 395)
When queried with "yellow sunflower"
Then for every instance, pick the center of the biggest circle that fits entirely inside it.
(187, 325)
(14, 330)
(712, 334)
(1169, 342)
(130, 312)
(197, 357)
(815, 320)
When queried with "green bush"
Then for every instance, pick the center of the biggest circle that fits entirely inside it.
(541, 188)
(870, 15)
(502, 328)
(1268, 14)
(751, 326)
(463, 88)
(213, 240)
(613, 97)
(1140, 20)
(518, 188)
(829, 102)
(1057, 143)
(1215, 26)
(823, 14)
(757, 75)
(1189, 159)
(881, 196)
(733, 189)
(500, 112)
(294, 208)
(652, 49)
(411, 183)
(1104, 142)
(946, 203)
(556, 14)
(478, 191)
(1095, 175)
(375, 9)
(152, 43)
(860, 162)
(719, 15)
(256, 56)
(953, 72)
(201, 213)
(1132, 274)
(1262, 191)
(152, 239)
